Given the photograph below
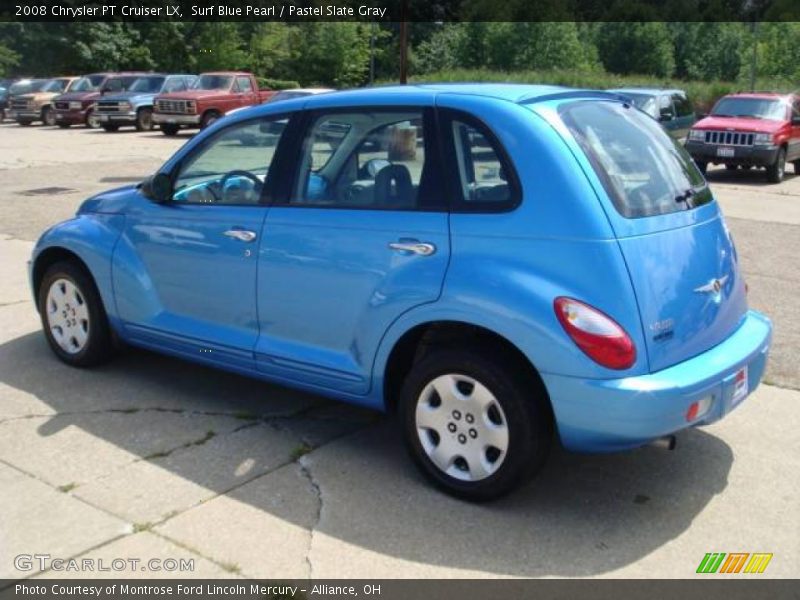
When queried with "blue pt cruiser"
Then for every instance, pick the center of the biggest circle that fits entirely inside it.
(501, 264)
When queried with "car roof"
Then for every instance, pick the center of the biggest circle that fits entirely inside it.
(646, 90)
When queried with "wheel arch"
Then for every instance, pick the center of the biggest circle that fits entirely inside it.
(47, 258)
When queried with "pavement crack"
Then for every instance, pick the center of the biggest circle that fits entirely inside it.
(13, 303)
(305, 470)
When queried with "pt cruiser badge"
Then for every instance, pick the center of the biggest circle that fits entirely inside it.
(712, 287)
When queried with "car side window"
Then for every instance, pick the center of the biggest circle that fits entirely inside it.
(232, 167)
(373, 159)
(485, 179)
(174, 84)
(244, 84)
(683, 108)
(665, 107)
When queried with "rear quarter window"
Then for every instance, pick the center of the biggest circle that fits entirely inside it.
(644, 171)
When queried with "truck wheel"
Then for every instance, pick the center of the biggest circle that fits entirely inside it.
(169, 129)
(777, 169)
(91, 120)
(110, 126)
(144, 119)
(209, 118)
(796, 167)
(48, 116)
(73, 317)
(475, 423)
(2, 114)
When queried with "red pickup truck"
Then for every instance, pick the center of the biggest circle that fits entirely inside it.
(212, 95)
(746, 130)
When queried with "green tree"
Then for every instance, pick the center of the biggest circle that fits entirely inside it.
(331, 53)
(216, 46)
(8, 60)
(643, 48)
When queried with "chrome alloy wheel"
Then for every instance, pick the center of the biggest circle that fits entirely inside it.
(462, 427)
(67, 316)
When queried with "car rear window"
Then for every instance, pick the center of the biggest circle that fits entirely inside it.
(644, 171)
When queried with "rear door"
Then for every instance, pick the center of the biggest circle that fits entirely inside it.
(362, 238)
(680, 257)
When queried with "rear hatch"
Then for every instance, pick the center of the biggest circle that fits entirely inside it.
(680, 256)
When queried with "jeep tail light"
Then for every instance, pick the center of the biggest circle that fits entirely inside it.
(600, 337)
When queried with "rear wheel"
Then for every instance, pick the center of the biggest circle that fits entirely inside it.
(209, 118)
(48, 116)
(168, 129)
(144, 119)
(73, 317)
(475, 423)
(110, 126)
(777, 169)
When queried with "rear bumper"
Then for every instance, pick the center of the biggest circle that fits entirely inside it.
(617, 414)
(758, 156)
(168, 119)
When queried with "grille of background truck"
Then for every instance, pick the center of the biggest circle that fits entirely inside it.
(171, 106)
(729, 138)
(108, 107)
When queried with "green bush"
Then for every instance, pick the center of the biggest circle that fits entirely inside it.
(277, 84)
(703, 93)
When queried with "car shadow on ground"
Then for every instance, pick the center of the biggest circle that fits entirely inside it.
(749, 177)
(582, 516)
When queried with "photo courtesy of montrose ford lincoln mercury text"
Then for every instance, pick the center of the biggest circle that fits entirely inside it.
(501, 264)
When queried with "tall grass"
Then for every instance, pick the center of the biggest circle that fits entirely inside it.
(703, 93)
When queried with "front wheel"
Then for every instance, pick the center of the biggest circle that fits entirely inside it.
(48, 116)
(476, 423)
(169, 130)
(144, 119)
(92, 122)
(73, 317)
(209, 118)
(777, 169)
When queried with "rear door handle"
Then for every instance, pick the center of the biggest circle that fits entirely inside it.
(243, 235)
(415, 247)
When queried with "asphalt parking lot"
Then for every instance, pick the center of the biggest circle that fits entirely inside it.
(152, 457)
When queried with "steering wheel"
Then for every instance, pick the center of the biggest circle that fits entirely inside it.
(238, 173)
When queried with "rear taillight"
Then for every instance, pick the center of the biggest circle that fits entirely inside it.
(597, 334)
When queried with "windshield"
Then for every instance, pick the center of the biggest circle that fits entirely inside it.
(758, 108)
(288, 95)
(643, 102)
(26, 87)
(88, 84)
(644, 171)
(147, 84)
(55, 85)
(213, 82)
(118, 84)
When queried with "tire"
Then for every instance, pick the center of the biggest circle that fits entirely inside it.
(702, 166)
(91, 120)
(48, 116)
(208, 118)
(73, 317)
(496, 400)
(796, 165)
(25, 123)
(110, 127)
(144, 119)
(64, 125)
(777, 169)
(2, 114)
(170, 130)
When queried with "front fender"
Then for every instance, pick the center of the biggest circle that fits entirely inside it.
(92, 238)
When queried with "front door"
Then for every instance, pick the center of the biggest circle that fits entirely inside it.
(185, 271)
(362, 239)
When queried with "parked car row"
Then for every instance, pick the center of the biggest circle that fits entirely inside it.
(135, 99)
(743, 131)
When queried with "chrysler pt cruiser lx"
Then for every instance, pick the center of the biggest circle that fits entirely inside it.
(500, 264)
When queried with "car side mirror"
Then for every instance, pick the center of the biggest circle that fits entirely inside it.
(666, 116)
(157, 188)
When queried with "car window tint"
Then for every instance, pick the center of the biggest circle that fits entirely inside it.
(683, 108)
(244, 84)
(363, 160)
(481, 174)
(232, 167)
(644, 171)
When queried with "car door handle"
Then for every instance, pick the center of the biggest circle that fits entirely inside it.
(421, 248)
(243, 235)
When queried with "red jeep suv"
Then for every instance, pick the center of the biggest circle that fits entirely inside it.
(747, 130)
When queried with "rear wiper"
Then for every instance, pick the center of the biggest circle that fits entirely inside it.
(685, 197)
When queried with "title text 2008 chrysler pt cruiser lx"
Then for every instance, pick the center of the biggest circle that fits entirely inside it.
(501, 264)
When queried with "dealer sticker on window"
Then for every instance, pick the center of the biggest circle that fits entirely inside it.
(740, 387)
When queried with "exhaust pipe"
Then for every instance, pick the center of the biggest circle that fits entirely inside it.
(666, 442)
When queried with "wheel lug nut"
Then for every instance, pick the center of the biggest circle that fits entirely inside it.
(469, 418)
(456, 415)
(462, 438)
(451, 427)
(473, 434)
